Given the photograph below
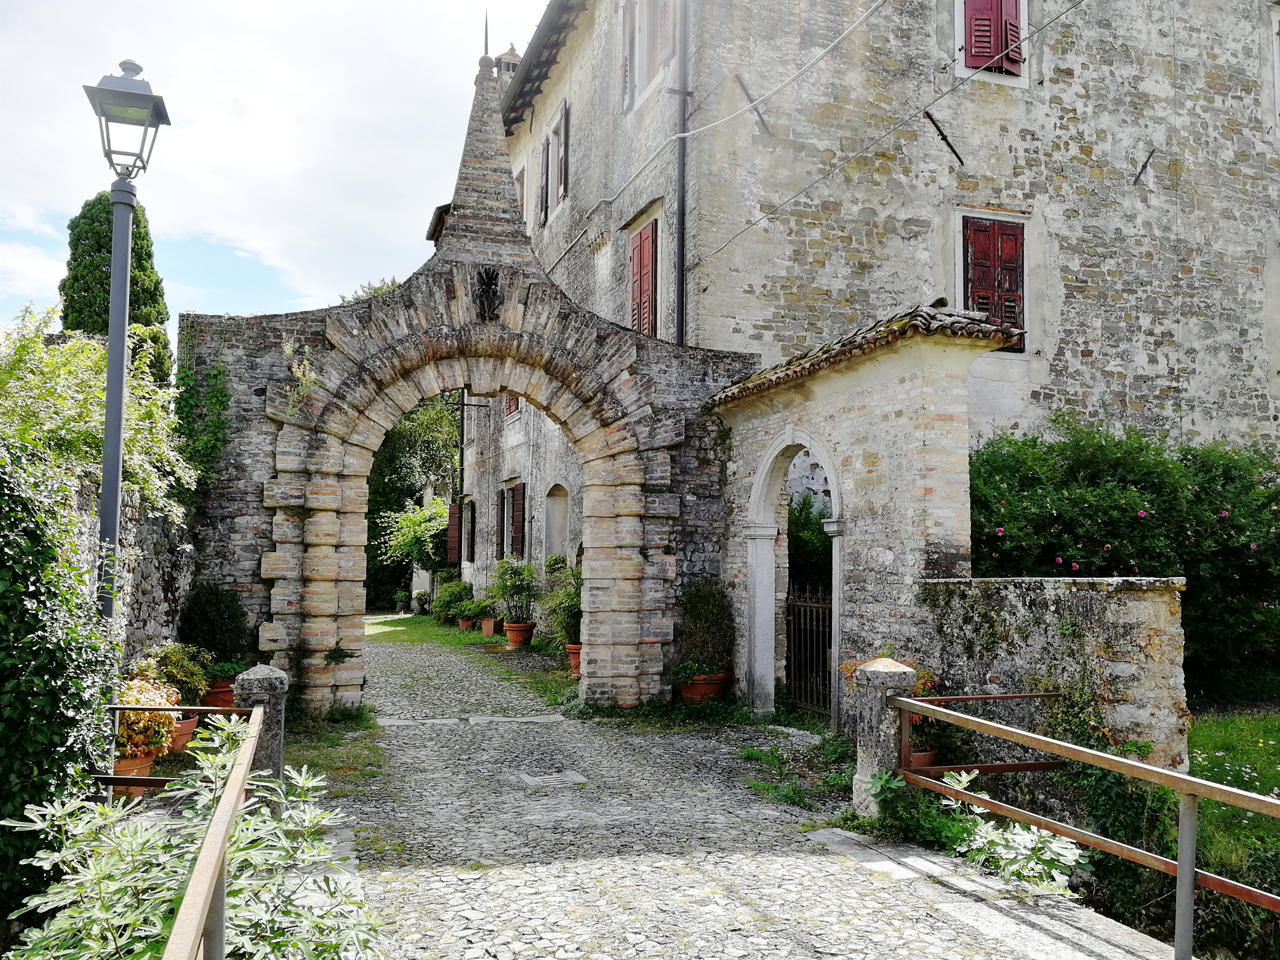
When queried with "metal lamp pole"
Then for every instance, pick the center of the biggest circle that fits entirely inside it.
(123, 104)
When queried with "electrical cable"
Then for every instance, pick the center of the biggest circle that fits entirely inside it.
(841, 164)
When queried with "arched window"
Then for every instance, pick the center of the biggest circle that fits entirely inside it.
(555, 538)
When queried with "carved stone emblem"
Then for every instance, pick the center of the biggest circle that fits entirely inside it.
(488, 295)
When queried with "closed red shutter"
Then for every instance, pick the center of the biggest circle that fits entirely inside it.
(471, 531)
(544, 196)
(510, 403)
(564, 151)
(1010, 36)
(648, 254)
(981, 29)
(635, 281)
(499, 522)
(454, 550)
(994, 276)
(517, 520)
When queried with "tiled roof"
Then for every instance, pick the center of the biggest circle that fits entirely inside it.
(543, 54)
(918, 321)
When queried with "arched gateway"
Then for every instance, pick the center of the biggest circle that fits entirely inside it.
(312, 395)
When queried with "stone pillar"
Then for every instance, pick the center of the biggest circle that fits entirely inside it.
(835, 530)
(762, 611)
(266, 685)
(874, 682)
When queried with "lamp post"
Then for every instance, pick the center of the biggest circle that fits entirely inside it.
(127, 111)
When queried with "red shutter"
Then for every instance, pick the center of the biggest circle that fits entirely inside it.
(1011, 36)
(564, 151)
(635, 280)
(454, 553)
(1009, 272)
(471, 531)
(981, 29)
(979, 264)
(510, 403)
(994, 274)
(648, 253)
(544, 196)
(499, 522)
(517, 520)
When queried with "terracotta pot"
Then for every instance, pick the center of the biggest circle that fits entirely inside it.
(133, 767)
(443, 619)
(221, 694)
(489, 624)
(924, 758)
(464, 623)
(575, 658)
(518, 634)
(704, 688)
(184, 732)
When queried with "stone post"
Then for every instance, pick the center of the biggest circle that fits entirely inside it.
(874, 682)
(762, 611)
(267, 685)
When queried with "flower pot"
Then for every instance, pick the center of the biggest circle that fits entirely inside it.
(442, 619)
(184, 732)
(924, 758)
(133, 767)
(465, 623)
(402, 606)
(575, 658)
(221, 694)
(518, 634)
(488, 625)
(704, 688)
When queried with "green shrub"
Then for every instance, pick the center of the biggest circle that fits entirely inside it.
(704, 629)
(562, 605)
(1083, 501)
(118, 879)
(214, 619)
(186, 669)
(56, 664)
(515, 588)
(449, 597)
(808, 544)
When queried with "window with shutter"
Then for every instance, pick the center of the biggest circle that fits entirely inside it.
(644, 257)
(469, 521)
(544, 188)
(510, 403)
(517, 520)
(562, 142)
(993, 35)
(499, 523)
(453, 550)
(994, 273)
(1011, 36)
(648, 31)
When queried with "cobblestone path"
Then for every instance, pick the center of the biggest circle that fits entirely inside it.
(645, 845)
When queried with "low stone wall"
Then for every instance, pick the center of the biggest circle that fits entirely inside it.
(1120, 639)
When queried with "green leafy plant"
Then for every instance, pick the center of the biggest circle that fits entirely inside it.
(562, 604)
(885, 784)
(143, 732)
(450, 597)
(474, 609)
(201, 403)
(214, 619)
(337, 655)
(515, 587)
(226, 670)
(117, 879)
(704, 630)
(808, 544)
(423, 599)
(184, 668)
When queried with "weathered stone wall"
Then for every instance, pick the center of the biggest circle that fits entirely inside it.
(1118, 640)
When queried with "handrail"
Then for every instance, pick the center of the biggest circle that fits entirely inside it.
(195, 921)
(1189, 788)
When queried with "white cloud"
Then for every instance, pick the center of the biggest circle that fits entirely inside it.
(29, 272)
(316, 136)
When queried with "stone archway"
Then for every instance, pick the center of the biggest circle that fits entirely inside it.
(483, 316)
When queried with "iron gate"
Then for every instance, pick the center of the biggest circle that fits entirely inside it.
(809, 648)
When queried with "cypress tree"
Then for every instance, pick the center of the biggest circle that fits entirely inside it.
(86, 289)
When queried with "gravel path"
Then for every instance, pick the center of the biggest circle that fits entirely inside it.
(643, 845)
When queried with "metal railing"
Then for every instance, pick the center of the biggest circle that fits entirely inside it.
(200, 928)
(1189, 790)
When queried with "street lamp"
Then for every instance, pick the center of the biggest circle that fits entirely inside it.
(127, 110)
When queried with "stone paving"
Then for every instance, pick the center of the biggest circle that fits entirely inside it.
(663, 851)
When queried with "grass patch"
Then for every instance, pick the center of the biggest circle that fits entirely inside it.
(341, 744)
(770, 758)
(819, 773)
(555, 687)
(425, 630)
(789, 792)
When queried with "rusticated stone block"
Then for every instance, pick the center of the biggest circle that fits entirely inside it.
(355, 496)
(281, 566)
(318, 633)
(322, 529)
(353, 565)
(286, 596)
(286, 527)
(357, 461)
(327, 455)
(354, 532)
(284, 493)
(324, 495)
(350, 597)
(320, 563)
(272, 636)
(320, 599)
(350, 629)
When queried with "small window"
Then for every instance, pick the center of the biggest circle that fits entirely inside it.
(989, 40)
(555, 165)
(520, 190)
(648, 32)
(994, 270)
(510, 404)
(644, 258)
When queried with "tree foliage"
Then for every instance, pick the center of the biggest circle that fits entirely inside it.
(53, 397)
(86, 289)
(1083, 501)
(412, 535)
(368, 290)
(808, 545)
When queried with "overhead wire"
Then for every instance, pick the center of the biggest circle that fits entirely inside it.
(910, 118)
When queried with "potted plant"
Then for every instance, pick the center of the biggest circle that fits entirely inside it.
(402, 601)
(143, 735)
(563, 609)
(927, 733)
(422, 602)
(222, 678)
(704, 638)
(184, 668)
(214, 619)
(449, 599)
(469, 611)
(515, 588)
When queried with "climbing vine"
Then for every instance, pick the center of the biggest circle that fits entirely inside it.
(201, 405)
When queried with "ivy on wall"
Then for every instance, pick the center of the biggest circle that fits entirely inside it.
(201, 406)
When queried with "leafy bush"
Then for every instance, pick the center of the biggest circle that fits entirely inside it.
(214, 619)
(449, 598)
(411, 535)
(56, 662)
(53, 397)
(1083, 501)
(118, 879)
(808, 544)
(704, 629)
(185, 668)
(515, 587)
(144, 731)
(562, 605)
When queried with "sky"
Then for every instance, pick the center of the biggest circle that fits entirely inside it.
(310, 142)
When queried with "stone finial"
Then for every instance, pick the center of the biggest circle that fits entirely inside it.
(874, 682)
(268, 686)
